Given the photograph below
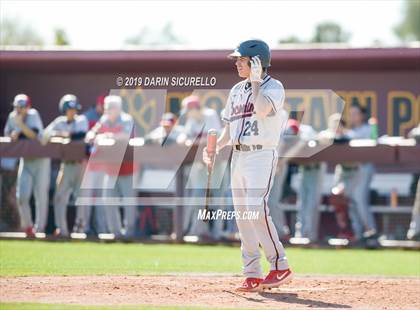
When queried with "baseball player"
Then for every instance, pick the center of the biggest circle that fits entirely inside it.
(92, 181)
(24, 122)
(337, 133)
(198, 120)
(360, 212)
(308, 191)
(353, 180)
(413, 232)
(253, 126)
(118, 125)
(94, 113)
(74, 126)
(167, 133)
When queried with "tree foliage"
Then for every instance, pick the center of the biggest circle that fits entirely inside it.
(60, 37)
(152, 37)
(409, 28)
(15, 33)
(330, 32)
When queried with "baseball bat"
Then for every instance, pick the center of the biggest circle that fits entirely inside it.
(211, 148)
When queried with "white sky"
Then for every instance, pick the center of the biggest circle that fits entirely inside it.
(216, 24)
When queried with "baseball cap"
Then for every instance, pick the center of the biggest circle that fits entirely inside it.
(191, 102)
(113, 102)
(168, 119)
(101, 100)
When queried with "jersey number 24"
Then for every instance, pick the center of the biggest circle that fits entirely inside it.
(251, 128)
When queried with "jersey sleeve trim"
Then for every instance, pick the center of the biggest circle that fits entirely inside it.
(226, 120)
(272, 103)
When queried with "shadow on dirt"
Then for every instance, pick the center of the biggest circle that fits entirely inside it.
(291, 298)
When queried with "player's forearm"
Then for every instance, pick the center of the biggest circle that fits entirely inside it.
(28, 132)
(50, 131)
(91, 134)
(224, 138)
(261, 106)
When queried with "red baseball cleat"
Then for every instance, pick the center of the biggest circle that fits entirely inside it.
(276, 278)
(250, 285)
(30, 232)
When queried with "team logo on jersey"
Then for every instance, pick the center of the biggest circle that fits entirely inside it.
(241, 111)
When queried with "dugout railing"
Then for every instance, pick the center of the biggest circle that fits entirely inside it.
(402, 157)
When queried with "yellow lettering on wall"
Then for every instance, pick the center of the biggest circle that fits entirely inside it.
(316, 106)
(366, 99)
(147, 105)
(403, 112)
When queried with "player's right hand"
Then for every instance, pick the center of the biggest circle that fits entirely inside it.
(208, 156)
(14, 135)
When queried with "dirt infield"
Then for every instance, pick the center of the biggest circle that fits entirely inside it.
(214, 291)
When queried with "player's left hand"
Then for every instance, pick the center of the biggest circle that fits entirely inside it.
(256, 69)
(19, 120)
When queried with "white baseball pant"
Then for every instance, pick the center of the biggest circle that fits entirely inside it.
(68, 182)
(252, 178)
(123, 189)
(33, 176)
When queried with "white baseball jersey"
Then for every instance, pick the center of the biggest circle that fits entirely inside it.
(78, 125)
(33, 175)
(32, 120)
(245, 126)
(68, 178)
(123, 124)
(210, 120)
(361, 132)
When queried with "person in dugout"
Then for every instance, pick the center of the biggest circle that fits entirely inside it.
(167, 133)
(91, 186)
(336, 132)
(198, 120)
(413, 232)
(353, 180)
(73, 126)
(119, 180)
(24, 122)
(309, 186)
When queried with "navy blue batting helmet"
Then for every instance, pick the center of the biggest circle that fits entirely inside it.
(69, 101)
(253, 48)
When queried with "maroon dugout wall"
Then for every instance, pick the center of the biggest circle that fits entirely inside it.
(386, 81)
